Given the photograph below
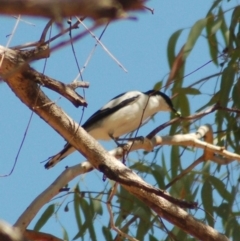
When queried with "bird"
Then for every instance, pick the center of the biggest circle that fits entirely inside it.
(121, 115)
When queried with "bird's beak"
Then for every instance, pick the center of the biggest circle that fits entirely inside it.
(177, 113)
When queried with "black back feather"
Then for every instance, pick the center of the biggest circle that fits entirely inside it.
(101, 114)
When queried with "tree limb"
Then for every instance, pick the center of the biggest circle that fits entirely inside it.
(33, 97)
(57, 9)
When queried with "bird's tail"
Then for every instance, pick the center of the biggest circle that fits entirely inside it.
(53, 160)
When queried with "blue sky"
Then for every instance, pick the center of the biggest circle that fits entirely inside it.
(139, 45)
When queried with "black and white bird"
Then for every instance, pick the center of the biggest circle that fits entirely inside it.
(121, 115)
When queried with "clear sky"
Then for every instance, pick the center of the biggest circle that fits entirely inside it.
(139, 45)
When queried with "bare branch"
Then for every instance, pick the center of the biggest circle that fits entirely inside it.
(57, 9)
(65, 90)
(53, 190)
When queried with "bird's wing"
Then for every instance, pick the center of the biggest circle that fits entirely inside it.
(53, 160)
(114, 105)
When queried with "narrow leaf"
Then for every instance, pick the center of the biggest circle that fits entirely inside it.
(212, 39)
(97, 207)
(76, 202)
(234, 23)
(212, 101)
(214, 5)
(65, 234)
(107, 233)
(194, 35)
(44, 218)
(207, 200)
(188, 91)
(226, 84)
(172, 46)
(221, 188)
(175, 161)
(236, 95)
(152, 238)
(224, 28)
(178, 63)
(143, 228)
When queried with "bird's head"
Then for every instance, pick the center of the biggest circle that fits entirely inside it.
(165, 103)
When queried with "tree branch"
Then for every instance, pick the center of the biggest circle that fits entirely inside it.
(57, 9)
(33, 97)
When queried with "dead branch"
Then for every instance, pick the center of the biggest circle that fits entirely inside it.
(58, 9)
(191, 139)
(68, 91)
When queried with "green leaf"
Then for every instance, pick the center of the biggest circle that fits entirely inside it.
(172, 46)
(195, 192)
(152, 238)
(216, 26)
(224, 28)
(212, 39)
(65, 234)
(175, 161)
(159, 174)
(226, 84)
(107, 233)
(143, 228)
(212, 101)
(83, 205)
(188, 91)
(141, 167)
(126, 205)
(234, 23)
(88, 223)
(214, 5)
(184, 105)
(44, 218)
(194, 34)
(89, 214)
(224, 211)
(221, 188)
(235, 229)
(164, 167)
(76, 201)
(236, 95)
(158, 85)
(97, 205)
(141, 211)
(207, 200)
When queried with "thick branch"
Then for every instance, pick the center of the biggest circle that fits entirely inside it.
(68, 91)
(56, 9)
(190, 139)
(65, 90)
